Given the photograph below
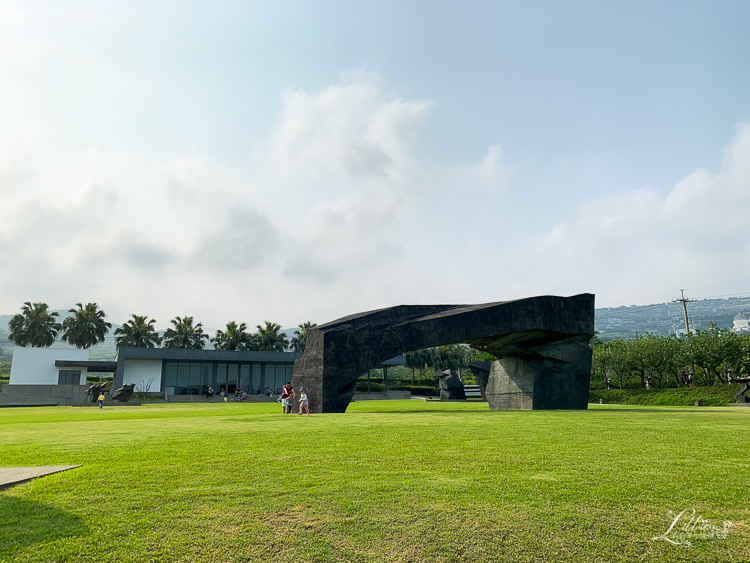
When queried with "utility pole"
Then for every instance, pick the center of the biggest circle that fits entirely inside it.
(684, 302)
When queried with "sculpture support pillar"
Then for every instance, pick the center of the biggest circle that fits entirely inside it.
(555, 378)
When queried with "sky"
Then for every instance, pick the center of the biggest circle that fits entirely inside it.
(302, 161)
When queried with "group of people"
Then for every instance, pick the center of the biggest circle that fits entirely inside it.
(239, 394)
(687, 379)
(288, 396)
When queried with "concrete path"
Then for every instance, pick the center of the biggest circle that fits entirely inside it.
(10, 476)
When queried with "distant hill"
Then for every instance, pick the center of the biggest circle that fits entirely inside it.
(664, 318)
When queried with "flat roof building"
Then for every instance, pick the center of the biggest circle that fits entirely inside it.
(49, 375)
(187, 372)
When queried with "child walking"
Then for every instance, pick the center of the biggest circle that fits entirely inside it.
(303, 400)
(100, 398)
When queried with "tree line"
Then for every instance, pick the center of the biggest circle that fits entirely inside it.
(706, 357)
(454, 356)
(37, 326)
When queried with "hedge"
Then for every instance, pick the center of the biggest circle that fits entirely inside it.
(716, 396)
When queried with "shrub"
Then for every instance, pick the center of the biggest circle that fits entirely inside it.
(716, 396)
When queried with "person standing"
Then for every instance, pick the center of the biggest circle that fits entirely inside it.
(284, 398)
(100, 398)
(290, 398)
(303, 400)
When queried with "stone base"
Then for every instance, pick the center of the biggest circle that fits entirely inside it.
(387, 396)
(557, 377)
(63, 395)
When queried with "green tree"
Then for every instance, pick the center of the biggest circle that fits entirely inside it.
(638, 355)
(595, 341)
(86, 327)
(269, 338)
(234, 337)
(665, 359)
(413, 360)
(299, 340)
(599, 365)
(454, 356)
(617, 360)
(743, 355)
(419, 360)
(185, 335)
(34, 326)
(714, 350)
(137, 332)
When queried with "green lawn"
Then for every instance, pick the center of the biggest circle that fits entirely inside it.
(387, 481)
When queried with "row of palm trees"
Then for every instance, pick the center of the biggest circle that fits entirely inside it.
(37, 326)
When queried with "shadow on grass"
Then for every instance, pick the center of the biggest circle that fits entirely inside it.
(28, 523)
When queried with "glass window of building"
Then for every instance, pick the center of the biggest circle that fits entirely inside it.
(244, 382)
(221, 377)
(207, 373)
(255, 385)
(170, 377)
(69, 377)
(232, 373)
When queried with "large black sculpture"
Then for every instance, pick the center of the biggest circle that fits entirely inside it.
(541, 342)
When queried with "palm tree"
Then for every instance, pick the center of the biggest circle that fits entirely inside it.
(86, 327)
(137, 333)
(270, 338)
(300, 337)
(185, 335)
(414, 360)
(34, 326)
(233, 338)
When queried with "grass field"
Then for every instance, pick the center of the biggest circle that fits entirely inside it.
(387, 481)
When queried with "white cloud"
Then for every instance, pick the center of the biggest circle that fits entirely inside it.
(491, 171)
(620, 246)
(11, 14)
(320, 205)
(334, 213)
(347, 131)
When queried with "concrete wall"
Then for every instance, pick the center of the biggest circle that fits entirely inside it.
(36, 366)
(390, 395)
(140, 371)
(63, 395)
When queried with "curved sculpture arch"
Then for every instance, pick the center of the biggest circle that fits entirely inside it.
(541, 343)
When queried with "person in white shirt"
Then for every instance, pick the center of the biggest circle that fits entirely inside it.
(303, 400)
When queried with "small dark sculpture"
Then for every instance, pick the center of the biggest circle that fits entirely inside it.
(95, 390)
(741, 398)
(123, 394)
(451, 388)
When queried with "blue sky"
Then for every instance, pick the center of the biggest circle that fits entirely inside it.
(300, 161)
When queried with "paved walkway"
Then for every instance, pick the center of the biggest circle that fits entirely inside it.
(10, 476)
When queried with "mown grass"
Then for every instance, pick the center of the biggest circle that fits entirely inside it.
(717, 396)
(387, 481)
